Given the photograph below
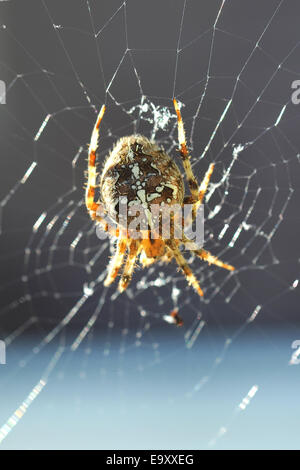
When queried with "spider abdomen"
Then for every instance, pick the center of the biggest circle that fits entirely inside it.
(138, 170)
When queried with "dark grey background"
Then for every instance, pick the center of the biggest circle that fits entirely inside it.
(31, 47)
(52, 71)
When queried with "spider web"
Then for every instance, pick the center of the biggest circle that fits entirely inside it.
(231, 68)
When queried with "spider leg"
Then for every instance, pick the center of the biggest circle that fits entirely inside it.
(182, 263)
(196, 192)
(116, 261)
(92, 206)
(106, 227)
(204, 184)
(90, 203)
(134, 248)
(201, 194)
(191, 179)
(208, 257)
(211, 259)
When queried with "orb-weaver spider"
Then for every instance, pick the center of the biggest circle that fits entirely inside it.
(138, 169)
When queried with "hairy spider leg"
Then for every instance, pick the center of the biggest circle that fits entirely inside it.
(92, 206)
(116, 261)
(202, 190)
(204, 185)
(208, 257)
(182, 263)
(211, 259)
(191, 179)
(134, 249)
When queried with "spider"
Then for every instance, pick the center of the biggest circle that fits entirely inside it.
(138, 169)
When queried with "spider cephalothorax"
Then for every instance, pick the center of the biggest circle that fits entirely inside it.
(142, 173)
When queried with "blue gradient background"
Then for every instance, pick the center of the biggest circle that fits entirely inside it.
(132, 400)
